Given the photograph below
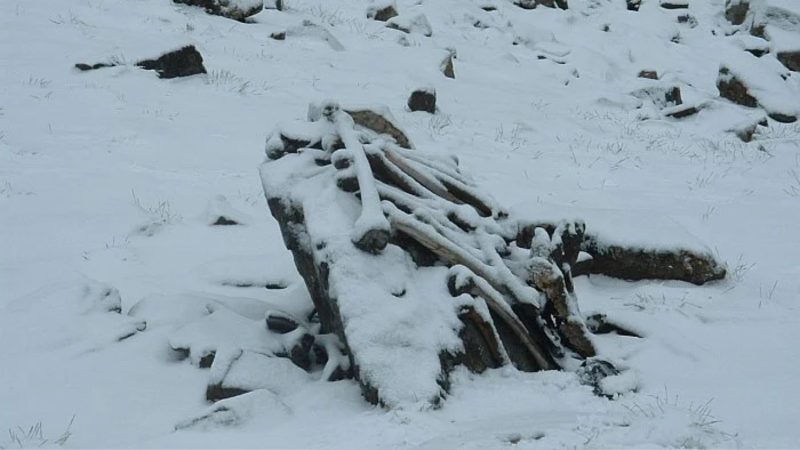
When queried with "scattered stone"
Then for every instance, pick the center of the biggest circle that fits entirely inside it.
(650, 74)
(278, 35)
(782, 117)
(736, 11)
(232, 9)
(423, 100)
(220, 212)
(734, 89)
(447, 66)
(681, 111)
(85, 67)
(673, 96)
(382, 12)
(239, 371)
(599, 324)
(417, 24)
(593, 371)
(675, 4)
(532, 4)
(280, 322)
(489, 8)
(687, 19)
(746, 133)
(633, 5)
(790, 59)
(179, 63)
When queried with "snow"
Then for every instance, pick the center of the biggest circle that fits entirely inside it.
(74, 145)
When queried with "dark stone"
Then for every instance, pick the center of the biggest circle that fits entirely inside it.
(674, 5)
(633, 5)
(599, 324)
(736, 11)
(781, 117)
(757, 52)
(280, 323)
(790, 59)
(179, 63)
(215, 392)
(85, 67)
(222, 220)
(734, 89)
(633, 264)
(650, 74)
(278, 36)
(300, 353)
(673, 96)
(422, 100)
(488, 8)
(532, 4)
(593, 371)
(759, 30)
(687, 19)
(206, 360)
(383, 14)
(683, 112)
(223, 8)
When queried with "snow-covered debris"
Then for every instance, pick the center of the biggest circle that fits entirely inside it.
(411, 23)
(220, 212)
(382, 10)
(261, 404)
(233, 9)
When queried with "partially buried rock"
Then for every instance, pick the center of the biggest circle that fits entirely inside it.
(382, 11)
(423, 100)
(447, 66)
(736, 11)
(734, 89)
(650, 74)
(790, 59)
(408, 24)
(232, 9)
(179, 63)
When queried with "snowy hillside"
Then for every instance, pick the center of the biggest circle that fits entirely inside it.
(136, 242)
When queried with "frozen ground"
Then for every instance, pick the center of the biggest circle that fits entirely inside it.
(108, 180)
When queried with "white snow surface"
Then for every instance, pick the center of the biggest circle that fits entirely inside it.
(106, 178)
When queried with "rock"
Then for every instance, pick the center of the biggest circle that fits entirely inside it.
(280, 322)
(633, 5)
(673, 96)
(681, 111)
(532, 4)
(734, 89)
(417, 24)
(650, 74)
(790, 59)
(179, 63)
(746, 133)
(593, 371)
(278, 35)
(382, 12)
(238, 372)
(782, 117)
(380, 122)
(232, 9)
(423, 100)
(736, 11)
(447, 66)
(675, 4)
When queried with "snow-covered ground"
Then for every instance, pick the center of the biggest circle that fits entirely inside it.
(110, 179)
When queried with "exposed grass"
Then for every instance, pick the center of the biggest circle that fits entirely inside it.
(35, 437)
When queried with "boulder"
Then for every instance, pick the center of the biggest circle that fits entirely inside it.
(382, 12)
(790, 59)
(408, 24)
(733, 89)
(232, 9)
(650, 74)
(179, 63)
(423, 100)
(736, 11)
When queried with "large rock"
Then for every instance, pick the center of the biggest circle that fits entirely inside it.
(736, 11)
(179, 63)
(422, 100)
(734, 89)
(233, 9)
